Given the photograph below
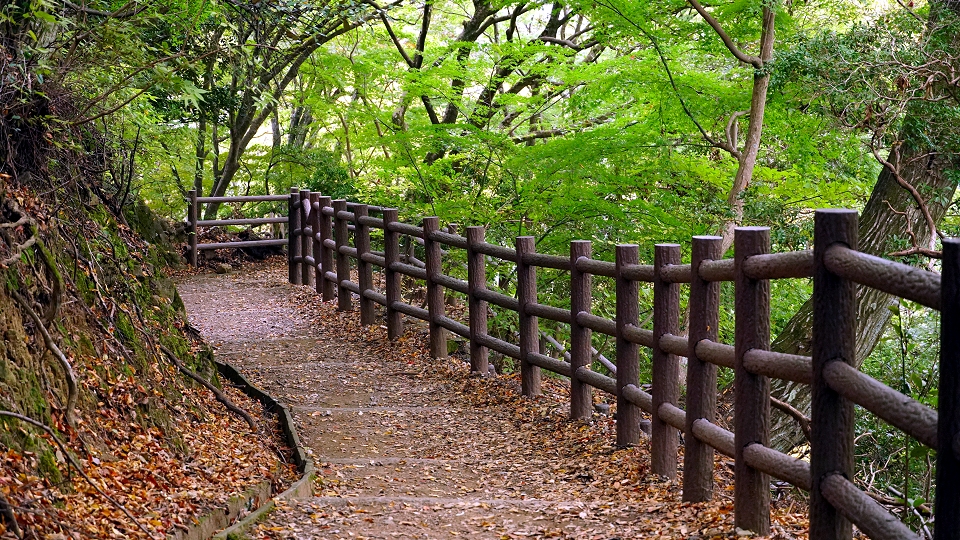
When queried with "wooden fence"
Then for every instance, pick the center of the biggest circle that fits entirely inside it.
(321, 254)
(194, 223)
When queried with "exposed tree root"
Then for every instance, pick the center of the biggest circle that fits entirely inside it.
(76, 466)
(209, 386)
(71, 377)
(6, 512)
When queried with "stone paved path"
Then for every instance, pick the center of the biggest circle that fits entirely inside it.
(405, 446)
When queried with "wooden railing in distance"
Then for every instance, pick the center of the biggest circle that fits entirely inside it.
(835, 266)
(194, 223)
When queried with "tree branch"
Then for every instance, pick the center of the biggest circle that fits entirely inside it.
(791, 411)
(754, 61)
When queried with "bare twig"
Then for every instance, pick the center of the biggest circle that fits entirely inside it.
(73, 462)
(71, 377)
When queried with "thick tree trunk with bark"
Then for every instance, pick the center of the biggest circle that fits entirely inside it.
(921, 160)
(888, 216)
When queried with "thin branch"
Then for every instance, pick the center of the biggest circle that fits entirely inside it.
(673, 84)
(921, 205)
(793, 412)
(72, 461)
(754, 61)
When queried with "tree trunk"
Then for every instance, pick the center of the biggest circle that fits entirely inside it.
(880, 227)
(924, 160)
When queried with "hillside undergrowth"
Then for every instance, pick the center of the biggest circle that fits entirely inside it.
(104, 430)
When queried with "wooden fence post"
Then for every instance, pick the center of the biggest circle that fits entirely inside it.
(438, 338)
(530, 374)
(317, 248)
(751, 392)
(368, 313)
(391, 251)
(947, 501)
(192, 213)
(665, 439)
(341, 234)
(704, 306)
(834, 339)
(306, 238)
(628, 313)
(294, 254)
(476, 280)
(581, 395)
(326, 254)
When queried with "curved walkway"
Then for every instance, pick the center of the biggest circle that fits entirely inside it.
(411, 447)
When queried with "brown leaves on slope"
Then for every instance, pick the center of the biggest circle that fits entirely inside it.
(166, 487)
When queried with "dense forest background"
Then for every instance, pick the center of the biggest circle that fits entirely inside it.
(608, 120)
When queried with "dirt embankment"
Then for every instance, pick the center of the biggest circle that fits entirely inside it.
(102, 434)
(412, 447)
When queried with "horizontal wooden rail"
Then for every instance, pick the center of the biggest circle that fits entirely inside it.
(376, 297)
(452, 240)
(890, 277)
(597, 380)
(789, 367)
(673, 415)
(457, 328)
(243, 243)
(499, 252)
(498, 299)
(549, 312)
(638, 272)
(243, 198)
(409, 270)
(371, 222)
(595, 267)
(244, 221)
(720, 354)
(794, 264)
(640, 336)
(907, 414)
(348, 251)
(597, 324)
(677, 273)
(677, 345)
(451, 283)
(413, 311)
(547, 261)
(502, 347)
(404, 228)
(638, 397)
(719, 270)
(863, 511)
(715, 436)
(777, 464)
(557, 366)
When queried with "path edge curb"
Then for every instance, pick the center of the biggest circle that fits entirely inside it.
(303, 487)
